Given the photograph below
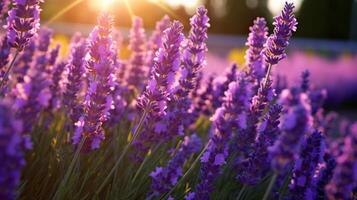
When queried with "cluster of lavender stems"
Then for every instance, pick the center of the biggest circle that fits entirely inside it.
(258, 125)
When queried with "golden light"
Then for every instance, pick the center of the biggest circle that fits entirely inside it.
(189, 5)
(101, 4)
(275, 6)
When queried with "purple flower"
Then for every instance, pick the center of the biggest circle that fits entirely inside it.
(179, 114)
(296, 122)
(324, 176)
(11, 152)
(56, 84)
(155, 41)
(75, 80)
(164, 178)
(194, 54)
(23, 63)
(302, 183)
(305, 81)
(54, 54)
(221, 87)
(280, 84)
(166, 64)
(253, 169)
(23, 22)
(204, 100)
(154, 98)
(285, 25)
(138, 68)
(256, 40)
(226, 118)
(345, 174)
(98, 100)
(246, 135)
(4, 55)
(33, 94)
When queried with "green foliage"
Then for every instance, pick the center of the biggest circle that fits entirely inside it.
(49, 163)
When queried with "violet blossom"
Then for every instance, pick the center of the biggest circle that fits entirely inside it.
(98, 100)
(138, 69)
(296, 122)
(75, 80)
(155, 97)
(302, 183)
(284, 26)
(256, 40)
(23, 22)
(345, 174)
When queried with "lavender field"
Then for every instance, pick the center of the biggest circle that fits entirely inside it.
(171, 120)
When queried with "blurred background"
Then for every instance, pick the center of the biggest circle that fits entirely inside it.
(325, 42)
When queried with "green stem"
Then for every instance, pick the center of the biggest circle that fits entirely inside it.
(143, 163)
(268, 74)
(70, 168)
(270, 186)
(135, 135)
(241, 192)
(8, 71)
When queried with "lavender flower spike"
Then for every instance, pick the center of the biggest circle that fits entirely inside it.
(225, 119)
(98, 99)
(253, 169)
(194, 55)
(302, 185)
(11, 152)
(285, 25)
(23, 22)
(155, 41)
(138, 68)
(164, 178)
(75, 79)
(345, 175)
(296, 122)
(156, 95)
(256, 40)
(166, 64)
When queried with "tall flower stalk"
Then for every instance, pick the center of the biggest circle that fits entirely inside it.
(155, 41)
(22, 24)
(155, 97)
(75, 80)
(179, 113)
(98, 98)
(138, 68)
(254, 59)
(284, 26)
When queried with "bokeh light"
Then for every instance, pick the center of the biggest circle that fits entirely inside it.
(275, 6)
